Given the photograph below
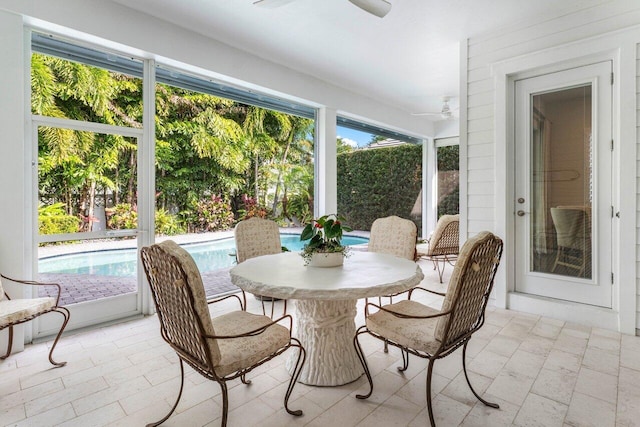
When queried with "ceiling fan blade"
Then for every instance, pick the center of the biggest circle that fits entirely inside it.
(378, 8)
(271, 4)
(427, 114)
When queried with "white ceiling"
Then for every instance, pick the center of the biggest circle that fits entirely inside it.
(408, 59)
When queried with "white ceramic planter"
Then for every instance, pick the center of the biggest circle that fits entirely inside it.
(331, 259)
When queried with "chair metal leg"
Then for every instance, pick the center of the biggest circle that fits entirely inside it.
(244, 380)
(225, 403)
(175, 405)
(302, 356)
(405, 360)
(65, 313)
(429, 406)
(440, 270)
(363, 361)
(464, 367)
(10, 345)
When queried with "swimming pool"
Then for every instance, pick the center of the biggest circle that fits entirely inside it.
(209, 256)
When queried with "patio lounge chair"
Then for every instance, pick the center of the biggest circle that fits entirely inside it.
(16, 311)
(221, 348)
(443, 245)
(433, 334)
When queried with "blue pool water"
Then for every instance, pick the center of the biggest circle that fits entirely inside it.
(208, 256)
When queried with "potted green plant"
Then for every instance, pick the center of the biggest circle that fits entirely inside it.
(325, 235)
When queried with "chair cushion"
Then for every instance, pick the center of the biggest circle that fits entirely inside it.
(239, 353)
(412, 333)
(16, 310)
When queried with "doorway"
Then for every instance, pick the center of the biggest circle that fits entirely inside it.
(563, 187)
(94, 262)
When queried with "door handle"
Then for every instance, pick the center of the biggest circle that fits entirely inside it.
(520, 213)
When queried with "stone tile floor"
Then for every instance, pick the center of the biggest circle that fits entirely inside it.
(542, 372)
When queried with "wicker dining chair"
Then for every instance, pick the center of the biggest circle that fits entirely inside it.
(433, 334)
(443, 245)
(219, 348)
(393, 235)
(16, 311)
(256, 237)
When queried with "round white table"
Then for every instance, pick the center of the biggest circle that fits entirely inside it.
(326, 303)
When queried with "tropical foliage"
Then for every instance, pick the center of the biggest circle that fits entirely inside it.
(212, 154)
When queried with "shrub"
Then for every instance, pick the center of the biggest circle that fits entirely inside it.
(53, 219)
(167, 224)
(251, 209)
(212, 214)
(379, 182)
(122, 216)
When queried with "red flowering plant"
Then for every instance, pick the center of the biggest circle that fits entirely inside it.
(324, 235)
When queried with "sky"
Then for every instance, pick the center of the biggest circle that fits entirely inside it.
(354, 138)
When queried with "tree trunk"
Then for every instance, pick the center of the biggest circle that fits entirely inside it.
(280, 169)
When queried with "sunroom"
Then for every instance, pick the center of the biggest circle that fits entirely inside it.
(542, 114)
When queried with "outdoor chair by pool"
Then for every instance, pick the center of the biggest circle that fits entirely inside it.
(16, 311)
(219, 348)
(443, 245)
(256, 237)
(433, 334)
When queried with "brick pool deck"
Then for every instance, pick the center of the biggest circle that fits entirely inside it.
(78, 288)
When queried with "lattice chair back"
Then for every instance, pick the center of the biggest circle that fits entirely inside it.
(445, 239)
(469, 288)
(255, 237)
(572, 227)
(393, 235)
(181, 305)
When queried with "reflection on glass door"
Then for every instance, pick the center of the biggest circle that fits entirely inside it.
(561, 182)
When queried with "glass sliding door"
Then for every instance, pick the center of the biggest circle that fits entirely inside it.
(87, 132)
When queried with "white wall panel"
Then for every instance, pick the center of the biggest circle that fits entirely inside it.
(488, 51)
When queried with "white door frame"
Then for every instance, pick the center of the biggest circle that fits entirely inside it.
(596, 288)
(620, 48)
(98, 311)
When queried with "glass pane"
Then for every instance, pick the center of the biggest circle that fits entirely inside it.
(86, 183)
(561, 182)
(448, 180)
(378, 177)
(218, 162)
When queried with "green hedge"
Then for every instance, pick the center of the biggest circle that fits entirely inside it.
(379, 182)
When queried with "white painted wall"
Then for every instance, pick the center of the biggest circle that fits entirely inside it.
(15, 244)
(488, 204)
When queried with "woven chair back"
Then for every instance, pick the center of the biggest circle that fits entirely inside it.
(469, 288)
(393, 235)
(572, 227)
(256, 237)
(181, 305)
(445, 239)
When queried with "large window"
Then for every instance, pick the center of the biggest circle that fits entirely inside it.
(222, 154)
(379, 174)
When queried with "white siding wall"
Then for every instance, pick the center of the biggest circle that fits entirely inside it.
(487, 51)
